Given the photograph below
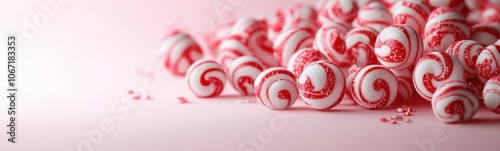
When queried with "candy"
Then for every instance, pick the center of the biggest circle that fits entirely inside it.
(413, 13)
(444, 27)
(433, 69)
(457, 5)
(206, 78)
(321, 85)
(467, 52)
(490, 14)
(375, 87)
(232, 48)
(491, 94)
(405, 86)
(398, 47)
(276, 88)
(345, 10)
(256, 39)
(302, 58)
(374, 15)
(178, 51)
(214, 38)
(330, 43)
(485, 34)
(349, 82)
(298, 16)
(359, 45)
(290, 41)
(488, 63)
(383, 119)
(242, 74)
(399, 110)
(455, 102)
(182, 100)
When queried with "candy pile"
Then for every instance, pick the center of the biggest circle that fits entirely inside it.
(376, 53)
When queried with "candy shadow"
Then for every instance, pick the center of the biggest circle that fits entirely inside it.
(484, 121)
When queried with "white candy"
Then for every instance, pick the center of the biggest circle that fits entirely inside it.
(398, 47)
(455, 102)
(491, 94)
(433, 69)
(322, 85)
(242, 74)
(206, 78)
(276, 88)
(178, 51)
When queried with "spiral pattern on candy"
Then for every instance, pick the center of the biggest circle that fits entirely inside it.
(232, 48)
(359, 46)
(455, 102)
(491, 94)
(375, 87)
(298, 16)
(330, 43)
(349, 82)
(276, 88)
(302, 58)
(255, 33)
(345, 10)
(290, 41)
(444, 27)
(488, 63)
(206, 78)
(178, 51)
(242, 74)
(413, 13)
(398, 47)
(433, 69)
(322, 85)
(485, 34)
(467, 52)
(374, 15)
(405, 86)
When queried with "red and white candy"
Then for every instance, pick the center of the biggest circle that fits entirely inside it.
(488, 63)
(289, 42)
(491, 94)
(242, 73)
(232, 48)
(256, 39)
(329, 42)
(398, 47)
(298, 16)
(322, 85)
(413, 13)
(467, 52)
(455, 102)
(206, 78)
(302, 58)
(374, 15)
(359, 46)
(276, 88)
(490, 14)
(444, 27)
(178, 51)
(433, 69)
(375, 87)
(485, 34)
(457, 5)
(344, 10)
(405, 86)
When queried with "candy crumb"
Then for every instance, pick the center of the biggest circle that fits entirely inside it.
(182, 99)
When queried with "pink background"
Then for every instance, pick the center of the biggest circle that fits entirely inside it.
(85, 58)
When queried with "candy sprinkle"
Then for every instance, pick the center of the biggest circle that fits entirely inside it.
(182, 100)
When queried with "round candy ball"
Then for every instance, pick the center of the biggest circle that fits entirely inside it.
(302, 58)
(276, 88)
(289, 42)
(206, 78)
(491, 94)
(329, 42)
(359, 45)
(243, 72)
(488, 63)
(178, 51)
(455, 102)
(374, 87)
(467, 52)
(322, 85)
(398, 47)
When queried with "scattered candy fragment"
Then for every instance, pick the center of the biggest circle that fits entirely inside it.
(182, 99)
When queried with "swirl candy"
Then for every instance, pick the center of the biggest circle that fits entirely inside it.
(375, 87)
(349, 82)
(488, 63)
(301, 59)
(491, 94)
(178, 51)
(455, 102)
(398, 47)
(298, 16)
(490, 14)
(206, 78)
(276, 88)
(329, 42)
(413, 13)
(433, 69)
(344, 10)
(289, 41)
(232, 48)
(359, 45)
(256, 39)
(374, 15)
(444, 27)
(485, 34)
(467, 52)
(322, 85)
(457, 5)
(405, 86)
(242, 74)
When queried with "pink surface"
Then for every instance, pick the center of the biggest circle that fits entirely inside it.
(78, 65)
